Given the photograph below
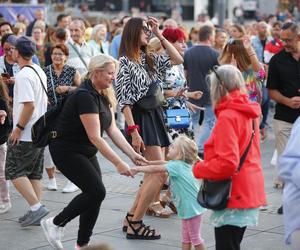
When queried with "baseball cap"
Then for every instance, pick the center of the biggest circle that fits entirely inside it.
(12, 39)
(25, 46)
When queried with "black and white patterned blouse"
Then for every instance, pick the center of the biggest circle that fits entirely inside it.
(133, 80)
(66, 78)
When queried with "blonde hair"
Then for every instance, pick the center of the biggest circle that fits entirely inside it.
(154, 45)
(223, 80)
(100, 62)
(187, 149)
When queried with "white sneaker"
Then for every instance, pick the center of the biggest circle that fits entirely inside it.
(70, 188)
(5, 207)
(76, 247)
(52, 184)
(53, 233)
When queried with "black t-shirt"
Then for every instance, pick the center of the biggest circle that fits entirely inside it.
(198, 61)
(5, 128)
(9, 70)
(85, 100)
(284, 76)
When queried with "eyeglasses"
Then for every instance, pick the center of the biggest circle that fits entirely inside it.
(58, 54)
(147, 31)
(288, 40)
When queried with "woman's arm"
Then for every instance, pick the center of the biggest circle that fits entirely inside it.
(120, 141)
(157, 162)
(91, 124)
(137, 142)
(175, 57)
(251, 53)
(77, 79)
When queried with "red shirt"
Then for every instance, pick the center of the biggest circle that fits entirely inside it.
(228, 141)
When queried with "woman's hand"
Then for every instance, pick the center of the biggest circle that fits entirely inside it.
(3, 115)
(154, 26)
(124, 169)
(137, 142)
(138, 159)
(196, 95)
(62, 89)
(247, 44)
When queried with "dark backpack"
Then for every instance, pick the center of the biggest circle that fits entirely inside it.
(43, 130)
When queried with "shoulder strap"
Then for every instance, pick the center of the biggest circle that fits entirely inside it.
(29, 66)
(79, 55)
(52, 84)
(243, 158)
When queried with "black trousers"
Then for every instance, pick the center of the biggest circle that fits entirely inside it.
(229, 237)
(83, 170)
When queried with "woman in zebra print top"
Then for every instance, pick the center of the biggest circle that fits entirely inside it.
(138, 70)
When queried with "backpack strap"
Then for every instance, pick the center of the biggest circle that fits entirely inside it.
(29, 66)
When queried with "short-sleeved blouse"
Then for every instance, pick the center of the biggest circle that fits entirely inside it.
(133, 79)
(66, 78)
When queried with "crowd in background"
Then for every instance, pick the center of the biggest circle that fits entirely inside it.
(180, 59)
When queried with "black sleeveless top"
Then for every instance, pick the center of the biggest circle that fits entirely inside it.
(84, 100)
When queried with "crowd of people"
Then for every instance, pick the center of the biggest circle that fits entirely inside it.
(149, 86)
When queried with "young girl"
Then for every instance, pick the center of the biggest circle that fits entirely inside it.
(4, 131)
(183, 153)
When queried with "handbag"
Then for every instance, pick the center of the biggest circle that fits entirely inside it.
(214, 194)
(178, 118)
(154, 97)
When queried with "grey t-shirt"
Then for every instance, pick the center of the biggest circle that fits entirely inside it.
(198, 61)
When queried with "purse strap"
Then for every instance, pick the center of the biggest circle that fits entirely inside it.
(79, 55)
(29, 66)
(243, 158)
(52, 84)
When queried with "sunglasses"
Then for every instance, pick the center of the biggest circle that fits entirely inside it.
(147, 31)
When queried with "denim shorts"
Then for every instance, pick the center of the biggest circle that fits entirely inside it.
(24, 160)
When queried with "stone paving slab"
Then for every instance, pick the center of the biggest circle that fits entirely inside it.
(269, 234)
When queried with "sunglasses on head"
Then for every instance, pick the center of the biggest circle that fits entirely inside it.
(231, 41)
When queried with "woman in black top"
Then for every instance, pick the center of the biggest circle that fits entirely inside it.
(139, 71)
(85, 113)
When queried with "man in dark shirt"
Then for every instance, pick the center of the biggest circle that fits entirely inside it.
(284, 85)
(198, 61)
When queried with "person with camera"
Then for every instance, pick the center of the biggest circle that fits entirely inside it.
(233, 152)
(139, 93)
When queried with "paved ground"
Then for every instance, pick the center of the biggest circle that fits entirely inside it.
(120, 195)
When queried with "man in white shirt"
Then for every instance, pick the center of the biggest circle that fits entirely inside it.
(80, 53)
(24, 162)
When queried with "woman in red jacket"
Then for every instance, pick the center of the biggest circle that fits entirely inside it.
(228, 141)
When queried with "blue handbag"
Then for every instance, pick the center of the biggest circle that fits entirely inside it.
(178, 118)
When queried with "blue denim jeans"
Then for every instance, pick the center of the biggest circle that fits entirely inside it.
(208, 124)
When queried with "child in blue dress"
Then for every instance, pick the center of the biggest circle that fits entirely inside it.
(183, 153)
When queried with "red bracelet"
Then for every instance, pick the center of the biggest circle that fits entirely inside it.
(131, 128)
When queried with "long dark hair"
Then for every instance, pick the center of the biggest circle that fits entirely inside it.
(3, 91)
(131, 42)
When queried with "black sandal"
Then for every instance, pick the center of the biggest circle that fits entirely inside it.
(124, 229)
(147, 233)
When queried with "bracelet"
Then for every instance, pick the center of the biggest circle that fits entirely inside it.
(131, 128)
(20, 127)
(163, 39)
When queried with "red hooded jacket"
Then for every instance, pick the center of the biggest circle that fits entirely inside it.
(228, 141)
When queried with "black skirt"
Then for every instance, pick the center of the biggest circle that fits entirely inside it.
(152, 126)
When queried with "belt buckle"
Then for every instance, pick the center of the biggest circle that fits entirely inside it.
(53, 134)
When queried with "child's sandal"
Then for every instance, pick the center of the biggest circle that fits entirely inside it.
(146, 234)
(124, 228)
